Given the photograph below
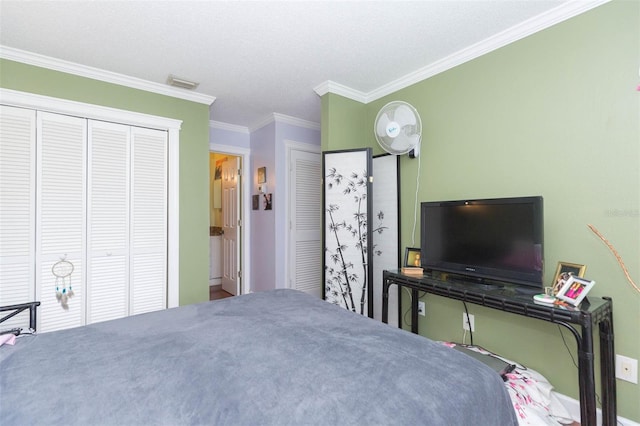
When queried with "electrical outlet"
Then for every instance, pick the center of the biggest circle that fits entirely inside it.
(421, 308)
(465, 322)
(627, 369)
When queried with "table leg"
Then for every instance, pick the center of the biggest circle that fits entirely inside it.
(385, 299)
(586, 377)
(607, 372)
(414, 311)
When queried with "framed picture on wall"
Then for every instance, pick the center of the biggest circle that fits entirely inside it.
(218, 169)
(262, 174)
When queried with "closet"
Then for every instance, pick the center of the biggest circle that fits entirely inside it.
(91, 193)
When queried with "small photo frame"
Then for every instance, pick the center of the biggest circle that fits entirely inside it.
(564, 271)
(268, 201)
(262, 174)
(412, 257)
(255, 202)
(575, 290)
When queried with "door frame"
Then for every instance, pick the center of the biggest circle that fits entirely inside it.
(289, 146)
(245, 213)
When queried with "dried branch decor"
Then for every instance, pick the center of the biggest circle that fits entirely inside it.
(617, 256)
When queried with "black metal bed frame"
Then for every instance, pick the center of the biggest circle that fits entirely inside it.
(15, 310)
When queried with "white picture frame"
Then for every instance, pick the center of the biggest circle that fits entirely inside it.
(575, 290)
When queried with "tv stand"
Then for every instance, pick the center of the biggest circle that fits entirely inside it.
(528, 291)
(487, 287)
(479, 283)
(599, 311)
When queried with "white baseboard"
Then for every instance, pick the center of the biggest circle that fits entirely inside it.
(573, 406)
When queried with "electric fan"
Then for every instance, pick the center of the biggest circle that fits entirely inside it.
(398, 128)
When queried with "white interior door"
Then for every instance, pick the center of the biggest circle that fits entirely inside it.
(149, 220)
(305, 246)
(17, 209)
(230, 227)
(127, 221)
(108, 221)
(61, 216)
(63, 195)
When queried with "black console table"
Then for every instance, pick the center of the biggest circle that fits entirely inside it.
(507, 298)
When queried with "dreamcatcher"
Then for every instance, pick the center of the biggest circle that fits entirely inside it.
(62, 270)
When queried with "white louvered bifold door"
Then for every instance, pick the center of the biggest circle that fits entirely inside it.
(108, 222)
(148, 242)
(91, 193)
(60, 219)
(305, 212)
(17, 209)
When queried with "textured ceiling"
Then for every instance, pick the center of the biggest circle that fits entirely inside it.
(259, 58)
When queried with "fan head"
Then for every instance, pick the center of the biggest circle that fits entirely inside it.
(398, 128)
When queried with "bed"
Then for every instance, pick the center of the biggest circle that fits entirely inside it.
(276, 357)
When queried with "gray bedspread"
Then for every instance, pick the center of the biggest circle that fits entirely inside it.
(278, 357)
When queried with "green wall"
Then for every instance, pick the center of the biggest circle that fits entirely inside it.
(194, 153)
(556, 114)
(342, 123)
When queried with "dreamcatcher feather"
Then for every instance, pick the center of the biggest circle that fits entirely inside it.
(62, 270)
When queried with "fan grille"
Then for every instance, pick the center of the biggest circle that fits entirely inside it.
(398, 127)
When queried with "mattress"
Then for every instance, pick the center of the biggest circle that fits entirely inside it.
(277, 357)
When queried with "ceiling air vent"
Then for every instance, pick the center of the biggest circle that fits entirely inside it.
(181, 82)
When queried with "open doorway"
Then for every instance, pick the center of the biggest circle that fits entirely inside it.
(225, 230)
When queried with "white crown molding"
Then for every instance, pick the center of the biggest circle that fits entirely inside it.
(261, 123)
(286, 119)
(42, 61)
(340, 89)
(294, 121)
(229, 127)
(81, 109)
(538, 23)
(531, 26)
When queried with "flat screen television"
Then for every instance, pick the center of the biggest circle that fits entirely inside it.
(498, 239)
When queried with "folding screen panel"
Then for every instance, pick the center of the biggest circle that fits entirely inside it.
(347, 206)
(385, 229)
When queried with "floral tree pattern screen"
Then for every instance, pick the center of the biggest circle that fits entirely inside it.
(347, 262)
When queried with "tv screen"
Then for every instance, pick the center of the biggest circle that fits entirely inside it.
(496, 239)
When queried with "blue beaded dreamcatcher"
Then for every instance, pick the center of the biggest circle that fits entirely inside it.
(62, 270)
